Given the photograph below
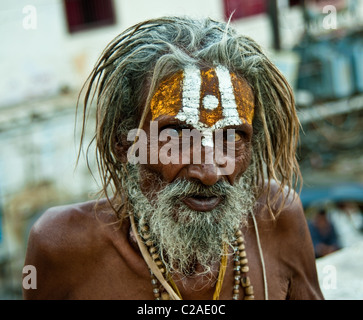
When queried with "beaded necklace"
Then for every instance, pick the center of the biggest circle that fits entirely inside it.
(240, 270)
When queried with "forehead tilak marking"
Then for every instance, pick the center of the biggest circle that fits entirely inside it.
(225, 98)
(192, 95)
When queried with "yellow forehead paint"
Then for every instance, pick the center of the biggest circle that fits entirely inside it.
(167, 98)
(244, 98)
(206, 99)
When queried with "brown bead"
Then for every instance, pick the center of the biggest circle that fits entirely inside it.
(147, 236)
(237, 263)
(245, 269)
(149, 243)
(158, 263)
(239, 233)
(235, 291)
(240, 240)
(155, 256)
(236, 282)
(249, 298)
(243, 254)
(245, 281)
(249, 291)
(145, 228)
(152, 250)
(165, 296)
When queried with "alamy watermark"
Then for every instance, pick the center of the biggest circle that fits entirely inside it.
(327, 17)
(30, 279)
(183, 147)
(329, 277)
(30, 20)
(330, 20)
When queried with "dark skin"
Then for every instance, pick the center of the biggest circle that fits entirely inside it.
(80, 252)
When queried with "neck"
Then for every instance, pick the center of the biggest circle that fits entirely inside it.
(198, 286)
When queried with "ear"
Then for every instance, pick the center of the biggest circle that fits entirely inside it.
(122, 145)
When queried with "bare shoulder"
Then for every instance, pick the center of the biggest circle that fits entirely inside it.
(289, 239)
(60, 243)
(286, 224)
(287, 211)
(67, 226)
(291, 218)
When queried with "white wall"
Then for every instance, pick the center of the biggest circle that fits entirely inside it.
(37, 62)
(137, 10)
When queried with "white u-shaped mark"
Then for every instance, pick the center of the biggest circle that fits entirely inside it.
(191, 99)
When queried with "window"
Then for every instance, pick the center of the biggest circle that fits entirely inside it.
(88, 14)
(295, 2)
(243, 8)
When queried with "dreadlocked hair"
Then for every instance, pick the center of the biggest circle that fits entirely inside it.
(135, 62)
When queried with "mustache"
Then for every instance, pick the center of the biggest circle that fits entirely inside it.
(183, 188)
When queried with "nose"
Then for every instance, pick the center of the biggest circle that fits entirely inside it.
(205, 173)
(206, 170)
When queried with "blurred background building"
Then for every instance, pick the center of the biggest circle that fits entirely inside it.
(49, 47)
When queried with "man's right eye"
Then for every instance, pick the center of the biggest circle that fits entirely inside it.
(232, 135)
(173, 131)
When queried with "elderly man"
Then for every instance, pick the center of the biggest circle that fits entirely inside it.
(196, 135)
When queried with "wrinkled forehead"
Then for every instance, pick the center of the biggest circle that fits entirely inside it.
(205, 98)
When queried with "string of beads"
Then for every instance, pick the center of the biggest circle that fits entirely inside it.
(240, 268)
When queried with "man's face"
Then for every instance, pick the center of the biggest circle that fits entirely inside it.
(209, 102)
(190, 206)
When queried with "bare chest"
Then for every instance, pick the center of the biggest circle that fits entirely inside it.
(115, 278)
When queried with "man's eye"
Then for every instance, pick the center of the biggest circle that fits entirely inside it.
(237, 136)
(174, 132)
(233, 136)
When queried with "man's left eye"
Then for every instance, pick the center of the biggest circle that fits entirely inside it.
(174, 132)
(233, 136)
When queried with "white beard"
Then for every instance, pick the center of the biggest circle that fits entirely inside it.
(186, 238)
